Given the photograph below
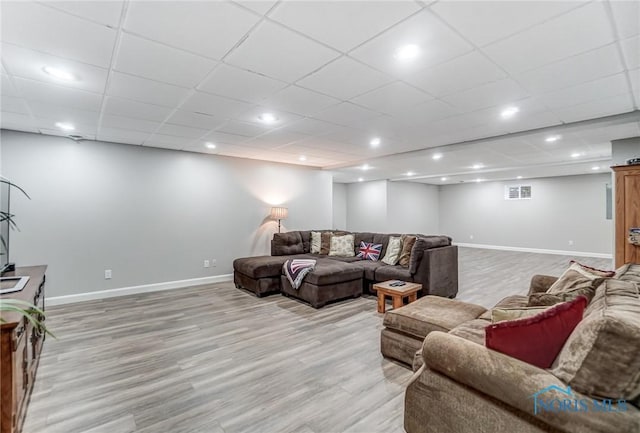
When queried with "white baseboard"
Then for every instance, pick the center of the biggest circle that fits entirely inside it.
(537, 250)
(146, 288)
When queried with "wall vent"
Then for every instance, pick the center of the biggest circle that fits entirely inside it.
(517, 192)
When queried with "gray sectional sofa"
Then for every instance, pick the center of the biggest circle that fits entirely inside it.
(433, 263)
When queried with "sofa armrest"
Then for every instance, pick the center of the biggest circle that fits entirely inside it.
(541, 283)
(514, 383)
(437, 271)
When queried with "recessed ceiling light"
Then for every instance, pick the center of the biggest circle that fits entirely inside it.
(436, 156)
(479, 180)
(410, 173)
(552, 138)
(576, 155)
(210, 145)
(443, 179)
(477, 166)
(360, 179)
(407, 52)
(65, 126)
(519, 177)
(375, 141)
(302, 158)
(268, 118)
(595, 167)
(509, 112)
(59, 74)
(365, 167)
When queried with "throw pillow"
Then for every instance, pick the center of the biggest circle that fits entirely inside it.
(369, 251)
(629, 272)
(315, 242)
(325, 242)
(502, 314)
(341, 246)
(577, 280)
(537, 340)
(393, 250)
(602, 355)
(407, 247)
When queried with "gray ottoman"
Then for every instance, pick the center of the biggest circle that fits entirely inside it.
(329, 281)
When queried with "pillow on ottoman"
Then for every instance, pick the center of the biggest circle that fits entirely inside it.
(602, 355)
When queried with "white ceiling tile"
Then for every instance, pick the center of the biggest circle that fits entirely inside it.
(344, 78)
(167, 141)
(181, 131)
(259, 6)
(41, 28)
(240, 84)
(627, 17)
(345, 114)
(534, 120)
(595, 108)
(152, 60)
(145, 90)
(128, 123)
(29, 64)
(488, 21)
(276, 138)
(280, 53)
(253, 116)
(17, 122)
(437, 42)
(214, 105)
(209, 28)
(312, 127)
(573, 70)
(487, 95)
(81, 128)
(393, 98)
(550, 41)
(137, 110)
(429, 111)
(223, 137)
(461, 73)
(13, 104)
(195, 120)
(116, 135)
(601, 88)
(295, 99)
(58, 95)
(243, 129)
(343, 25)
(105, 12)
(635, 84)
(631, 51)
(58, 113)
(6, 87)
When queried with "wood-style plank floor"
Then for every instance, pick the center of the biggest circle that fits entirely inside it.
(219, 360)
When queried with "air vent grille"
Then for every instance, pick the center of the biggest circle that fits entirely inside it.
(517, 192)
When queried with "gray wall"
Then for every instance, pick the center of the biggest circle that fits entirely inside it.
(622, 150)
(150, 215)
(562, 209)
(367, 206)
(339, 206)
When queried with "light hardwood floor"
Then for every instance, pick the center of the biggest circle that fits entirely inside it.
(216, 359)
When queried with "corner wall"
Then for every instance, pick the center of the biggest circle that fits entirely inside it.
(151, 215)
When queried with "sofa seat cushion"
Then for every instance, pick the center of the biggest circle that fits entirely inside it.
(369, 267)
(513, 301)
(602, 355)
(473, 330)
(397, 272)
(345, 259)
(263, 266)
(328, 271)
(431, 313)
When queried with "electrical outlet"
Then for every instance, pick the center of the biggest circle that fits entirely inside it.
(570, 242)
(206, 263)
(214, 262)
(107, 274)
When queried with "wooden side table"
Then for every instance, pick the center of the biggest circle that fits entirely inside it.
(397, 294)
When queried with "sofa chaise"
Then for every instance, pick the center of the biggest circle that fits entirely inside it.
(433, 263)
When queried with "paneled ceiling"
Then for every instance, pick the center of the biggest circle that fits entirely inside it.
(369, 89)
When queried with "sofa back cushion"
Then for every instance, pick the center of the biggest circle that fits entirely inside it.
(288, 243)
(424, 243)
(362, 237)
(306, 240)
(602, 355)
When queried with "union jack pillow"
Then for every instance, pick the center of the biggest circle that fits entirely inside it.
(369, 251)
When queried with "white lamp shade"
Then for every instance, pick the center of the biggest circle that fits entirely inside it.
(279, 213)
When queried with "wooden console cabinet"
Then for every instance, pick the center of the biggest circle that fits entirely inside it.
(627, 212)
(20, 346)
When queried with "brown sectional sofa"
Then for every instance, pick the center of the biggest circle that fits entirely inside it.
(433, 263)
(460, 386)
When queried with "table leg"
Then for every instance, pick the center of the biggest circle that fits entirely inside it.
(413, 297)
(397, 301)
(380, 302)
